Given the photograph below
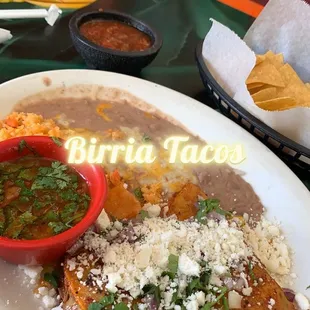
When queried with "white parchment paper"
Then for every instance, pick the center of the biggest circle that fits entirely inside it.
(231, 60)
(5, 35)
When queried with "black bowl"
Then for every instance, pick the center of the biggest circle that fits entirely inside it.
(100, 58)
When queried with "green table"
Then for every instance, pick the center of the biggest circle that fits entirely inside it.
(38, 47)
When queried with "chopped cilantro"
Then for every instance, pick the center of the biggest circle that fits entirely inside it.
(27, 218)
(95, 306)
(24, 199)
(143, 214)
(199, 284)
(68, 211)
(69, 195)
(173, 262)
(209, 305)
(207, 206)
(21, 145)
(26, 174)
(57, 141)
(252, 275)
(135, 307)
(51, 216)
(107, 300)
(54, 177)
(121, 306)
(24, 190)
(138, 193)
(225, 303)
(146, 138)
(2, 221)
(205, 277)
(57, 227)
(24, 145)
(151, 289)
(16, 225)
(52, 278)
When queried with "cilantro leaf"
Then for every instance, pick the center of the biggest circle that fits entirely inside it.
(51, 216)
(68, 211)
(199, 284)
(107, 300)
(138, 193)
(26, 174)
(151, 289)
(252, 275)
(27, 218)
(143, 214)
(207, 206)
(121, 306)
(54, 177)
(2, 221)
(52, 278)
(225, 303)
(18, 224)
(21, 145)
(69, 195)
(95, 306)
(24, 145)
(209, 305)
(57, 141)
(205, 277)
(57, 227)
(146, 138)
(173, 262)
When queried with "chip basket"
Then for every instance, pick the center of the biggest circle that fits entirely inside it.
(289, 151)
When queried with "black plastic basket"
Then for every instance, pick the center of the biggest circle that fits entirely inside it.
(290, 151)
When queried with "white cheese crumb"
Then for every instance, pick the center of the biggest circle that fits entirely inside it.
(187, 266)
(302, 302)
(201, 298)
(79, 274)
(268, 245)
(247, 291)
(234, 300)
(152, 210)
(72, 264)
(103, 221)
(32, 272)
(49, 302)
(43, 290)
(58, 307)
(114, 280)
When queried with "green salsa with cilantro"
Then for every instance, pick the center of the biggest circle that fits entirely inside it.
(40, 198)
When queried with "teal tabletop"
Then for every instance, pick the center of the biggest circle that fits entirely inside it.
(36, 46)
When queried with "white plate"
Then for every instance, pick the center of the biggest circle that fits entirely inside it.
(282, 193)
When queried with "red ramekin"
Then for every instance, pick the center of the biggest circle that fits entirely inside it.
(49, 250)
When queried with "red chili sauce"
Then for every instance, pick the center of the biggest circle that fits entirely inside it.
(115, 35)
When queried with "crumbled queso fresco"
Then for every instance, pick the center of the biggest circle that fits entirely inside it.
(180, 264)
(167, 254)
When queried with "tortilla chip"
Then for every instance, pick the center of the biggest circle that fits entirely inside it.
(277, 104)
(254, 85)
(258, 89)
(289, 75)
(260, 59)
(265, 73)
(276, 60)
(308, 85)
(265, 94)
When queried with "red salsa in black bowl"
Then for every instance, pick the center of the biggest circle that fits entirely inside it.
(114, 41)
